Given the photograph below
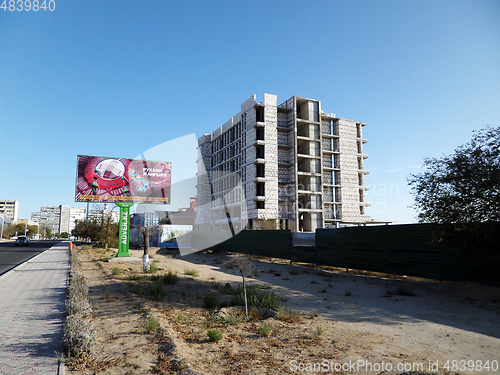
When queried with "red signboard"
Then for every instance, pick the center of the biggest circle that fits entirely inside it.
(102, 179)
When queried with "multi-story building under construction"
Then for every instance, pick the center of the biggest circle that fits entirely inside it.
(288, 166)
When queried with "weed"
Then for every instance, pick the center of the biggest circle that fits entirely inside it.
(210, 301)
(106, 294)
(214, 335)
(170, 278)
(319, 330)
(152, 325)
(348, 293)
(323, 290)
(302, 341)
(288, 315)
(153, 268)
(184, 319)
(264, 329)
(257, 298)
(117, 271)
(156, 292)
(312, 315)
(103, 259)
(190, 272)
(232, 317)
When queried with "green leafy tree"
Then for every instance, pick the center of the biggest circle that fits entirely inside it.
(103, 231)
(20, 229)
(462, 190)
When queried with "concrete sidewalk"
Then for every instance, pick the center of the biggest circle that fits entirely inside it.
(32, 313)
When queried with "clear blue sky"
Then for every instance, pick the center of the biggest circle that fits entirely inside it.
(117, 78)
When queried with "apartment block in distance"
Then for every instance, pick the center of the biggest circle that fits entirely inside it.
(59, 219)
(297, 167)
(9, 211)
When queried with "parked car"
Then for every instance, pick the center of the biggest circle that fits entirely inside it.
(22, 241)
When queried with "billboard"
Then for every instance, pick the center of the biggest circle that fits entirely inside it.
(108, 180)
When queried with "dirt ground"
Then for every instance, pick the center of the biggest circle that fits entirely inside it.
(339, 323)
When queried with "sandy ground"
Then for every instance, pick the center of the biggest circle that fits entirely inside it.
(345, 319)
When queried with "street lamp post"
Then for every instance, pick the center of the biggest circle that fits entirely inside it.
(3, 221)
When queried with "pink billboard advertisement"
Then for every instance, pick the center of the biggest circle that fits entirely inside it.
(103, 179)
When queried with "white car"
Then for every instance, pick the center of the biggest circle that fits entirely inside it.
(22, 241)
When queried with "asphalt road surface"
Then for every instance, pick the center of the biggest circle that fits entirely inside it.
(11, 256)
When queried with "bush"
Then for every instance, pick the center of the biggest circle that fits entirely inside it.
(170, 278)
(319, 330)
(157, 292)
(79, 336)
(79, 332)
(153, 268)
(152, 325)
(288, 315)
(264, 329)
(211, 301)
(214, 335)
(77, 305)
(257, 298)
(190, 272)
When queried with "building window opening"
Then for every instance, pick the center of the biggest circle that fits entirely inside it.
(260, 152)
(260, 188)
(259, 114)
(260, 134)
(260, 170)
(261, 205)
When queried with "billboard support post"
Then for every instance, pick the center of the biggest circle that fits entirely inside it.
(123, 236)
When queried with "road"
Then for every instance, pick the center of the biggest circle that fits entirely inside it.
(11, 256)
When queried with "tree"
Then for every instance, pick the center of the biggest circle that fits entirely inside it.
(462, 189)
(245, 266)
(146, 233)
(102, 231)
(20, 228)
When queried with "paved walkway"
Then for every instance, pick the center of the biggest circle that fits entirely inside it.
(32, 313)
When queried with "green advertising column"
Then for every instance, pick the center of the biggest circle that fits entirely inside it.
(123, 236)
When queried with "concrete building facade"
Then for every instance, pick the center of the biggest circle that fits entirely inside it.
(9, 211)
(287, 166)
(59, 219)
